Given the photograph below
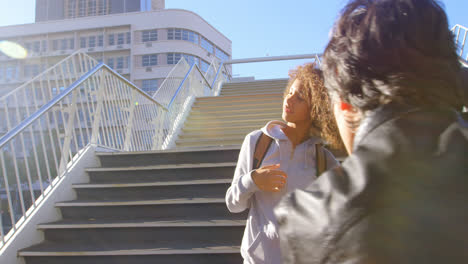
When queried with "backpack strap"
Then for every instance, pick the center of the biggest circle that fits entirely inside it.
(261, 147)
(321, 160)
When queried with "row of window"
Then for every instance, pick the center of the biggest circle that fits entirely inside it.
(112, 40)
(95, 7)
(182, 34)
(172, 58)
(150, 86)
(126, 38)
(118, 62)
(122, 62)
(85, 42)
(187, 35)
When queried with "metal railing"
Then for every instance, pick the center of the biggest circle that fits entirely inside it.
(101, 108)
(193, 84)
(461, 33)
(21, 102)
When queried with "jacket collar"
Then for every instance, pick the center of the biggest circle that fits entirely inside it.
(379, 116)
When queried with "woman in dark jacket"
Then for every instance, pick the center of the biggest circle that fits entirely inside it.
(402, 195)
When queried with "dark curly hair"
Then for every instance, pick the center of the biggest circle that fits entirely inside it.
(314, 92)
(383, 51)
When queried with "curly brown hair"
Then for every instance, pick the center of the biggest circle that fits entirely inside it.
(314, 92)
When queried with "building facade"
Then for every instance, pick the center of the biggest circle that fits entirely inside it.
(139, 39)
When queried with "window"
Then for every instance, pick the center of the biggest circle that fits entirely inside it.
(206, 45)
(120, 62)
(55, 44)
(81, 8)
(44, 45)
(55, 91)
(37, 46)
(110, 62)
(182, 34)
(82, 42)
(177, 34)
(120, 38)
(173, 58)
(92, 41)
(27, 46)
(150, 60)
(101, 41)
(63, 44)
(204, 66)
(221, 54)
(190, 59)
(71, 8)
(149, 86)
(149, 35)
(129, 38)
(31, 70)
(91, 7)
(72, 43)
(101, 7)
(111, 40)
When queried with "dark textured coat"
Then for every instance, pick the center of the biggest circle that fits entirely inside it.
(401, 197)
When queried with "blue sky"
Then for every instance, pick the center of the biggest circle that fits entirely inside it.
(257, 28)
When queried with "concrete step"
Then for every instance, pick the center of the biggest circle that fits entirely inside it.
(142, 253)
(249, 92)
(254, 88)
(165, 209)
(220, 129)
(257, 124)
(162, 173)
(215, 133)
(252, 106)
(267, 108)
(158, 233)
(146, 158)
(153, 190)
(238, 99)
(234, 140)
(235, 116)
(230, 123)
(258, 82)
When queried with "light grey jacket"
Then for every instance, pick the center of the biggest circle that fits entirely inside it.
(260, 243)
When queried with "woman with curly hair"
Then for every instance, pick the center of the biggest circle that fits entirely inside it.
(288, 164)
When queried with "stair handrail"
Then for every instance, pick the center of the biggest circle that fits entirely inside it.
(13, 103)
(29, 120)
(457, 30)
(186, 78)
(193, 85)
(100, 108)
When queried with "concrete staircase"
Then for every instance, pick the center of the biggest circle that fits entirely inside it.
(225, 120)
(148, 207)
(165, 207)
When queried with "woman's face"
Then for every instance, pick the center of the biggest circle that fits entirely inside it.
(295, 108)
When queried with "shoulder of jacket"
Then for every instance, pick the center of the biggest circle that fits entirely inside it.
(254, 135)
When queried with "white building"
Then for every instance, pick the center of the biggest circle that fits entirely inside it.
(140, 39)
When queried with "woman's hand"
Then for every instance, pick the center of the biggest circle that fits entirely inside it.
(270, 178)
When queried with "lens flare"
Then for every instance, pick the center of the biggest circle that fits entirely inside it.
(13, 50)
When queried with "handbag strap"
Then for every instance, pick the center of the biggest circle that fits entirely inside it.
(321, 160)
(261, 147)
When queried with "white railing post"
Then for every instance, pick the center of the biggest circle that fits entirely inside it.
(97, 111)
(129, 128)
(71, 110)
